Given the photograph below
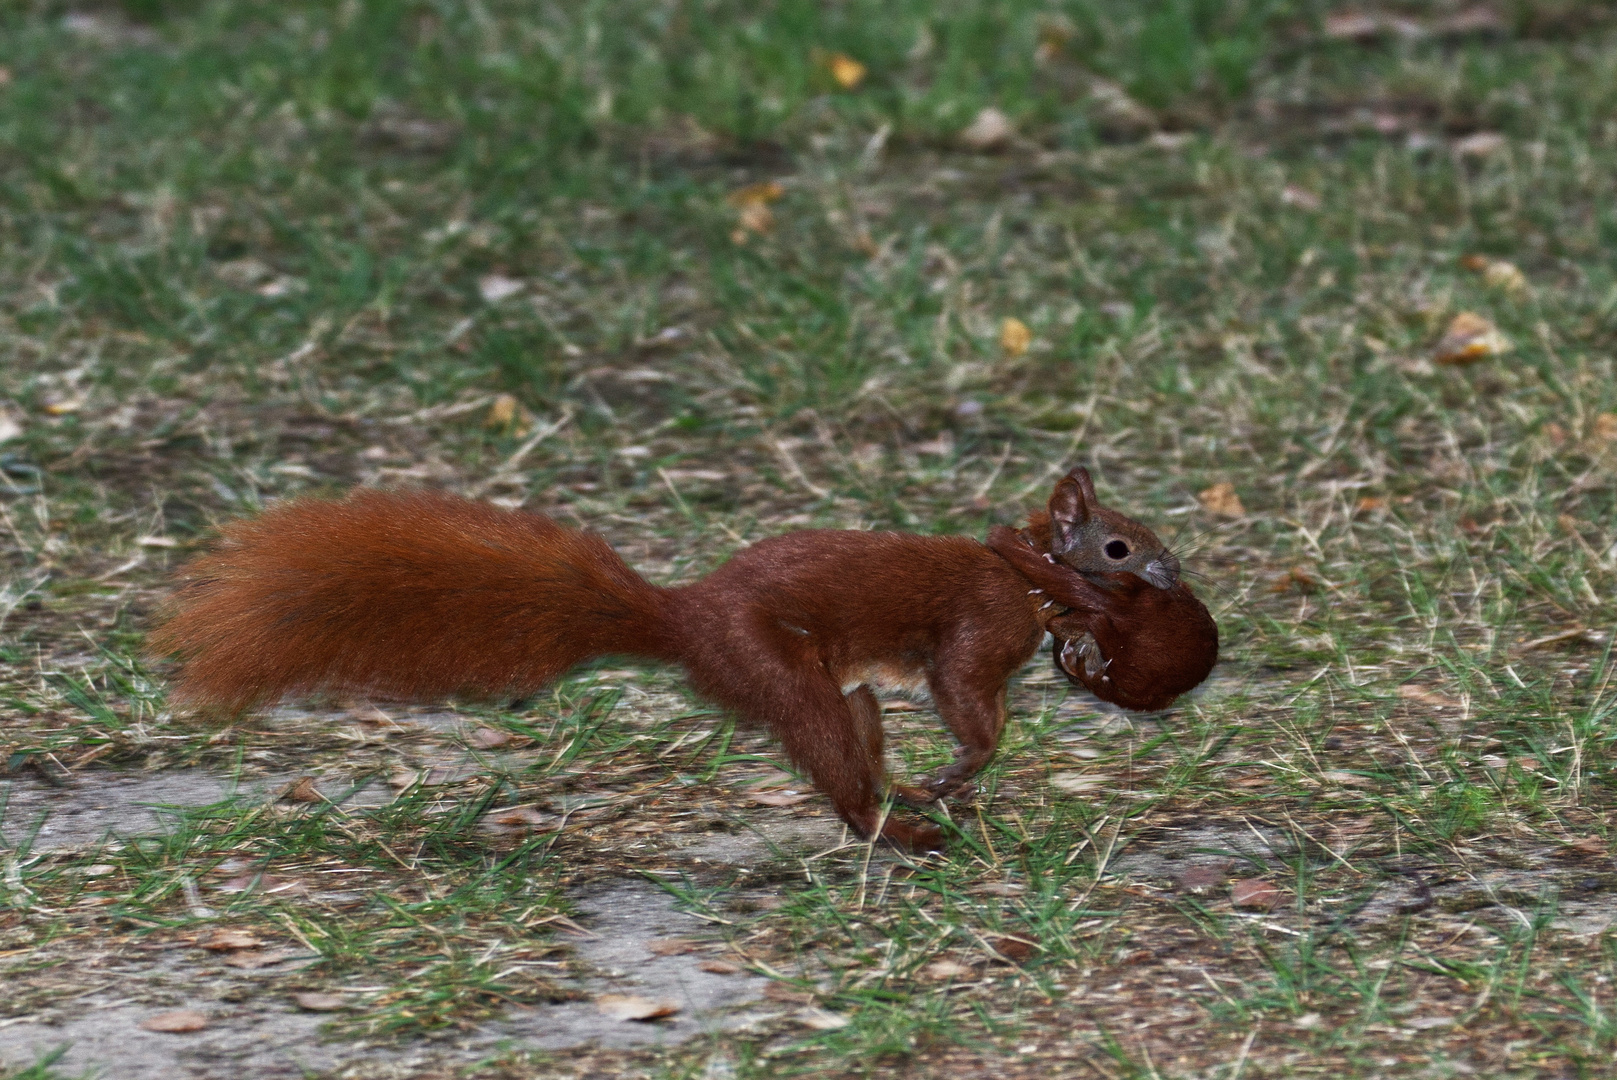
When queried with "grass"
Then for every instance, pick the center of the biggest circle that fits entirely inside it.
(248, 253)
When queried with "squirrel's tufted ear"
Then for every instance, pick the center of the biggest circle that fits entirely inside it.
(1070, 509)
(1085, 484)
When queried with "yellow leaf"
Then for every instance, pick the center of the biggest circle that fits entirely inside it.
(847, 71)
(1222, 500)
(766, 191)
(503, 413)
(752, 208)
(1014, 337)
(1469, 338)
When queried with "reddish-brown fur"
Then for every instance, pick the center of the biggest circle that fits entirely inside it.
(1159, 643)
(420, 596)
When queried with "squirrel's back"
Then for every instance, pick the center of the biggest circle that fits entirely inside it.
(411, 595)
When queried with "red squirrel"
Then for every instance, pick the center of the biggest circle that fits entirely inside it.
(423, 595)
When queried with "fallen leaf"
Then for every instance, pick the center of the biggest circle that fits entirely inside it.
(496, 287)
(990, 130)
(177, 1022)
(310, 1001)
(781, 798)
(253, 959)
(671, 946)
(1301, 198)
(1016, 950)
(634, 1007)
(946, 969)
(821, 1020)
(719, 967)
(65, 406)
(516, 816)
(302, 790)
(1500, 274)
(502, 412)
(765, 191)
(1116, 114)
(1254, 894)
(1203, 877)
(1606, 427)
(1480, 144)
(752, 208)
(1430, 698)
(1222, 500)
(1370, 502)
(1076, 783)
(1469, 338)
(1055, 31)
(779, 991)
(488, 738)
(225, 940)
(1590, 845)
(1014, 336)
(847, 71)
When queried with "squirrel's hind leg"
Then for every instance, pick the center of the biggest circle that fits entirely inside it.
(832, 738)
(866, 712)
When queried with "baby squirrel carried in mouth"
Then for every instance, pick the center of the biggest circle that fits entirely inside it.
(1132, 633)
(421, 596)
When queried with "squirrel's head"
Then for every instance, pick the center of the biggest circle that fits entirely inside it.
(1094, 540)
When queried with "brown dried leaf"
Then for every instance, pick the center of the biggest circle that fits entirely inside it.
(719, 967)
(779, 991)
(174, 1023)
(1255, 894)
(226, 940)
(302, 790)
(253, 959)
(1016, 950)
(672, 946)
(1203, 877)
(485, 738)
(1222, 500)
(1469, 338)
(634, 1007)
(1605, 427)
(1427, 697)
(764, 192)
(518, 816)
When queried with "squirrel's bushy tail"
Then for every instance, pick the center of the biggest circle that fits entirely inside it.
(411, 596)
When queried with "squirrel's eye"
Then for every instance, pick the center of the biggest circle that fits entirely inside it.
(1116, 549)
